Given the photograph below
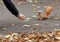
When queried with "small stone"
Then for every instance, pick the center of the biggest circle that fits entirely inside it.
(56, 29)
(56, 24)
(4, 28)
(34, 9)
(29, 0)
(33, 5)
(35, 1)
(34, 16)
(19, 3)
(28, 18)
(13, 24)
(56, 18)
(38, 7)
(36, 24)
(26, 25)
(40, 11)
(52, 25)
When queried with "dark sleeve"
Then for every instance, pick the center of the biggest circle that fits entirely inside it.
(11, 7)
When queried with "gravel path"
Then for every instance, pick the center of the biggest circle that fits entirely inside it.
(9, 23)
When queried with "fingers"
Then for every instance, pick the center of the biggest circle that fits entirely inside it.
(21, 17)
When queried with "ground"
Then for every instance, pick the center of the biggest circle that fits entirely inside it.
(10, 23)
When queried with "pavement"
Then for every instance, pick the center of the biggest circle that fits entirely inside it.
(10, 23)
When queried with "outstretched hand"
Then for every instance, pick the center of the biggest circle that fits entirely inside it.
(21, 17)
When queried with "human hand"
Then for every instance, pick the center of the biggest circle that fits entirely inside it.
(21, 16)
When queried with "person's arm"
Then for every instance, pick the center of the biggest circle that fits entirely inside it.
(11, 7)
